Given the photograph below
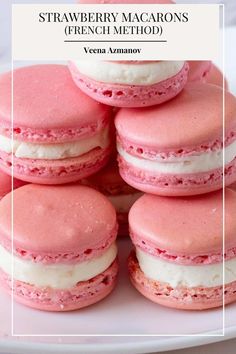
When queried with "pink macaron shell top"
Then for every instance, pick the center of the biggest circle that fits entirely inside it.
(48, 107)
(58, 223)
(198, 70)
(187, 230)
(6, 184)
(191, 122)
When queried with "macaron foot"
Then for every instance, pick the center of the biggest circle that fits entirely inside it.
(198, 298)
(119, 95)
(47, 299)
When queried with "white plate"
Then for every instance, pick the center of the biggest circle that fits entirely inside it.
(124, 312)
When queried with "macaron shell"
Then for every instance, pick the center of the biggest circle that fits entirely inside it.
(189, 226)
(50, 232)
(48, 106)
(198, 70)
(130, 96)
(176, 185)
(215, 77)
(83, 294)
(6, 184)
(56, 171)
(191, 119)
(199, 298)
(108, 180)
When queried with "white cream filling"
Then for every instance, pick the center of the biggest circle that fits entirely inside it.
(186, 164)
(122, 203)
(54, 151)
(177, 275)
(57, 276)
(148, 73)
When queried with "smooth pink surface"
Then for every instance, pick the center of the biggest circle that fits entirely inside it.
(190, 122)
(58, 223)
(198, 70)
(198, 298)
(215, 77)
(206, 71)
(6, 184)
(118, 95)
(177, 185)
(56, 171)
(182, 229)
(233, 186)
(48, 107)
(47, 299)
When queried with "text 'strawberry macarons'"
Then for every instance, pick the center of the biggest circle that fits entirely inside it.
(198, 70)
(179, 250)
(130, 83)
(177, 148)
(109, 182)
(60, 134)
(6, 184)
(64, 251)
(216, 77)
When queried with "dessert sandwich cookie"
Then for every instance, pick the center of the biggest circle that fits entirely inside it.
(176, 149)
(60, 134)
(6, 184)
(179, 262)
(130, 83)
(64, 251)
(109, 182)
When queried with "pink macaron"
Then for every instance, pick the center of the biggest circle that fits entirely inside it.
(177, 149)
(206, 71)
(130, 83)
(198, 70)
(64, 250)
(178, 257)
(109, 182)
(215, 77)
(60, 134)
(7, 184)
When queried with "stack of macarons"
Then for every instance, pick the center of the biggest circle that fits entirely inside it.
(174, 142)
(58, 135)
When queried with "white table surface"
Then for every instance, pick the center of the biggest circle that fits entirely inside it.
(226, 347)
